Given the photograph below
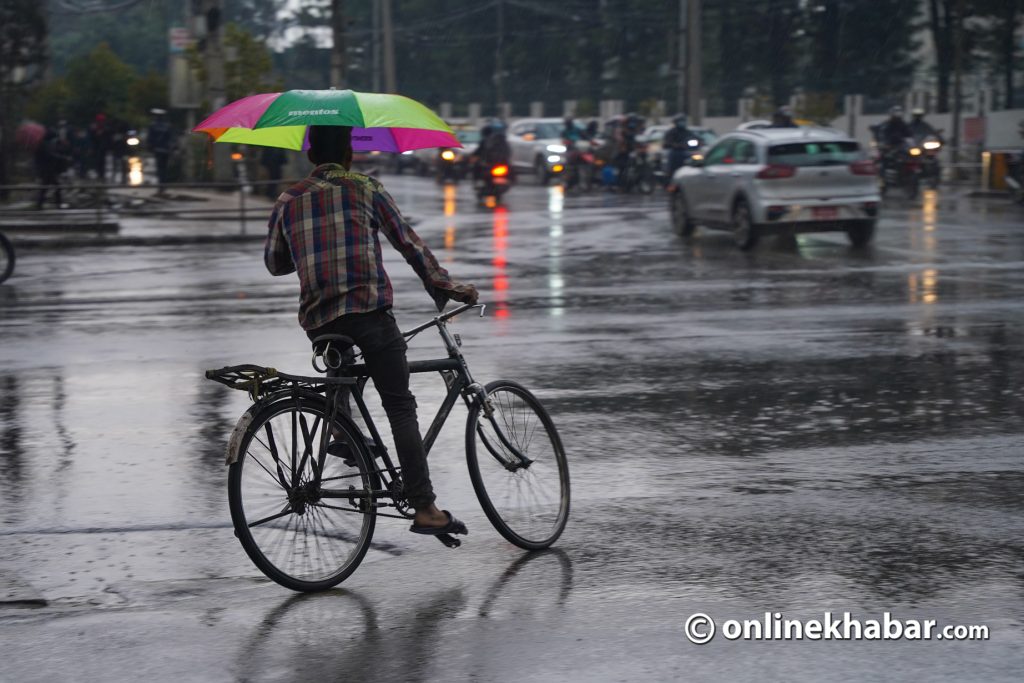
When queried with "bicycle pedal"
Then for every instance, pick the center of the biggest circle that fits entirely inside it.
(449, 540)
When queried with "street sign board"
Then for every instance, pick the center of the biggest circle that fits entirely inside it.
(178, 39)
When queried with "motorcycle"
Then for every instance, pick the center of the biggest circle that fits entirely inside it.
(902, 168)
(449, 167)
(931, 170)
(638, 174)
(492, 181)
(579, 166)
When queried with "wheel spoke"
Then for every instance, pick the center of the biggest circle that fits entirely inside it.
(292, 536)
(529, 506)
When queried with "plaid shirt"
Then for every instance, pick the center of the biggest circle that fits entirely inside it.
(326, 228)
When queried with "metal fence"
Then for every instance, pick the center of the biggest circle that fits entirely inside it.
(100, 205)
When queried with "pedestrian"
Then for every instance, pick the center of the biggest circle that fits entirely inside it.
(327, 228)
(81, 151)
(100, 138)
(51, 159)
(273, 160)
(119, 155)
(160, 140)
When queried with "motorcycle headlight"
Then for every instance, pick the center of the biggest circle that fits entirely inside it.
(557, 149)
(915, 151)
(448, 155)
(932, 144)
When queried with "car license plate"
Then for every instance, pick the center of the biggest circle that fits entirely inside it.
(825, 213)
(501, 181)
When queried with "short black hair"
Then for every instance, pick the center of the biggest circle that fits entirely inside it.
(330, 144)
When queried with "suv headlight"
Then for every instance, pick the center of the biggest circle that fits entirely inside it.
(556, 149)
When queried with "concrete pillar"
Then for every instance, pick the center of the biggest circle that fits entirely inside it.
(536, 109)
(445, 110)
(569, 108)
(505, 111)
(474, 112)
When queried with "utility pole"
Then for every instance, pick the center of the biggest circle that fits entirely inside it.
(958, 50)
(682, 53)
(375, 45)
(338, 44)
(209, 25)
(693, 61)
(498, 66)
(390, 84)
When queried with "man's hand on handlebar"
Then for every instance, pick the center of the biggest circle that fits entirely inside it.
(456, 291)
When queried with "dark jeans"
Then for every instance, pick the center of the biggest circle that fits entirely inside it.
(378, 337)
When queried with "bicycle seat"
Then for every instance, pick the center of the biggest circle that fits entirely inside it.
(336, 350)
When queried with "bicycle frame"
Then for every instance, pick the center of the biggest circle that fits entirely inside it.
(459, 381)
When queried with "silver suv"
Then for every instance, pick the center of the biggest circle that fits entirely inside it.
(779, 180)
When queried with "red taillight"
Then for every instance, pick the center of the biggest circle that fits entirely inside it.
(774, 171)
(499, 171)
(864, 167)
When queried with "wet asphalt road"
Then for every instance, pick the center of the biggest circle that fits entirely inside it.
(804, 429)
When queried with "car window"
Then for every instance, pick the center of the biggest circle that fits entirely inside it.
(744, 152)
(720, 153)
(546, 131)
(832, 153)
(521, 129)
(468, 136)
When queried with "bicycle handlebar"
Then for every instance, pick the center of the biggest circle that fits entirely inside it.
(445, 318)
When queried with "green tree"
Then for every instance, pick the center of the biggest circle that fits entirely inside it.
(859, 47)
(100, 82)
(139, 33)
(23, 56)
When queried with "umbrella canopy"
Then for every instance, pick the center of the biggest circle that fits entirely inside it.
(380, 122)
(29, 134)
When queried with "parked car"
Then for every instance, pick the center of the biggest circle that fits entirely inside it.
(537, 146)
(763, 181)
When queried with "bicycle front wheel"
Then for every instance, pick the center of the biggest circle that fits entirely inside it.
(527, 501)
(293, 532)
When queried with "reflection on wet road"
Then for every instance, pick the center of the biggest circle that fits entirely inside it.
(804, 428)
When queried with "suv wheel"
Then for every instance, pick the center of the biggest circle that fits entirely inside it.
(861, 232)
(744, 232)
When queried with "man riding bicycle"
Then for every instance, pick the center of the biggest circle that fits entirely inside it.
(327, 229)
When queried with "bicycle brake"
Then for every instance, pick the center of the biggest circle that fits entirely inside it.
(449, 540)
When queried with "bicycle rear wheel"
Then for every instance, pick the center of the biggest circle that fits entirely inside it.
(294, 535)
(528, 504)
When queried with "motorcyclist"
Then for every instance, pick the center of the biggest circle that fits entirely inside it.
(494, 149)
(570, 131)
(895, 130)
(783, 118)
(477, 154)
(625, 138)
(919, 128)
(677, 142)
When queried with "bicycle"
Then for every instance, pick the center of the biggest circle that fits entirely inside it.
(306, 484)
(6, 258)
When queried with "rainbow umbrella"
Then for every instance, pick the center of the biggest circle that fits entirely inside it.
(380, 122)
